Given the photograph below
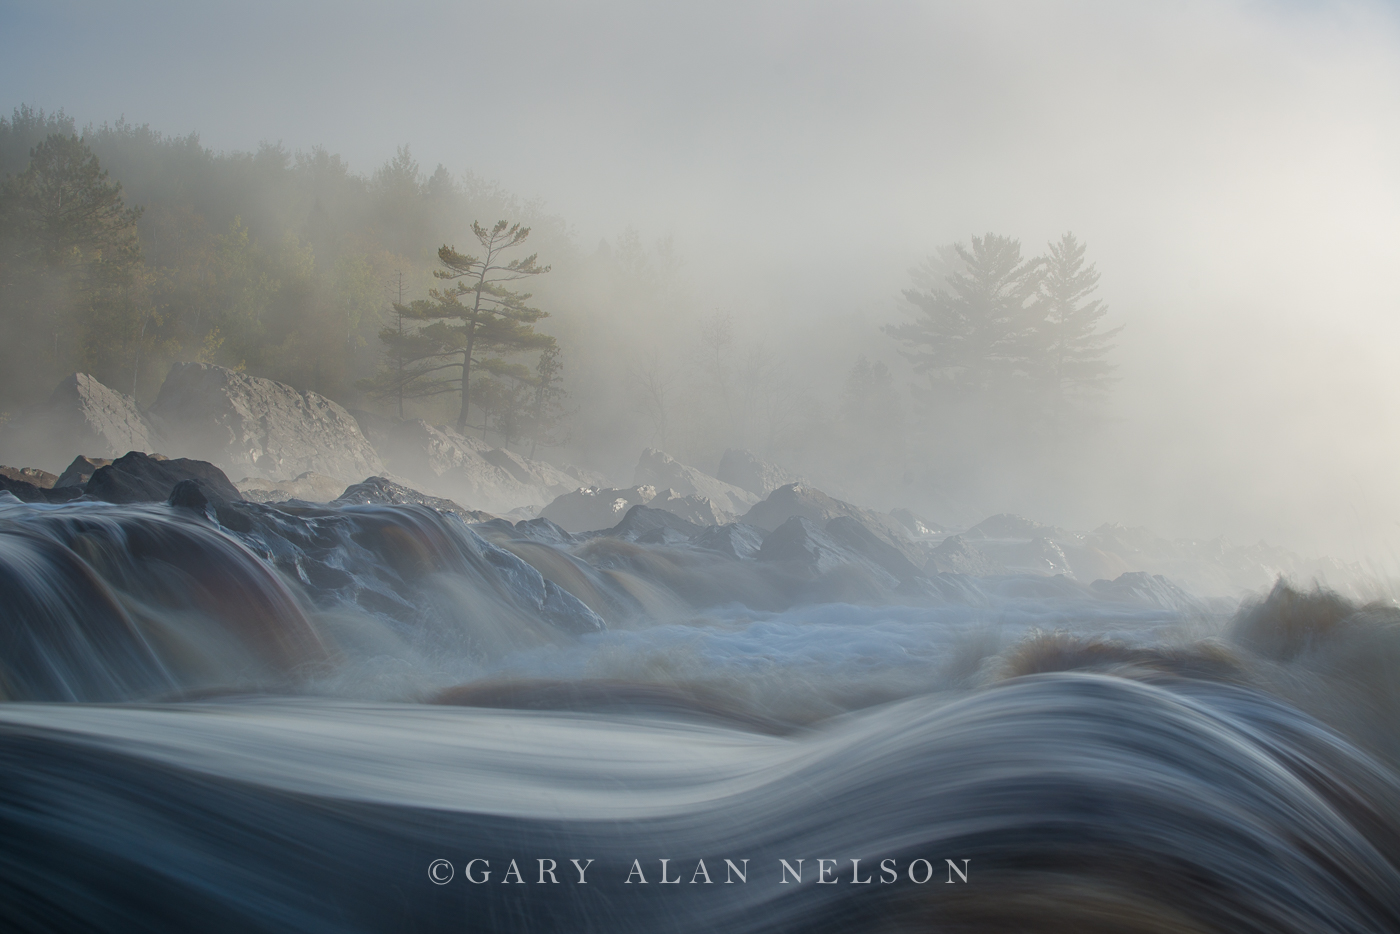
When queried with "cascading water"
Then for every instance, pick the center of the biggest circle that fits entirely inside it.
(282, 717)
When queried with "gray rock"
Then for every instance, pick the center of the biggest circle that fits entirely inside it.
(382, 491)
(662, 471)
(854, 535)
(799, 543)
(654, 526)
(257, 427)
(81, 415)
(692, 508)
(955, 556)
(308, 487)
(737, 540)
(742, 469)
(593, 508)
(32, 475)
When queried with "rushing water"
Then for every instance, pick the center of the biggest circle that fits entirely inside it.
(283, 720)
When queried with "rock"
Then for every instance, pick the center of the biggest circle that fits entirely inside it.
(1141, 587)
(1005, 526)
(662, 471)
(257, 427)
(854, 535)
(740, 468)
(798, 499)
(188, 494)
(644, 524)
(308, 487)
(83, 414)
(593, 508)
(32, 475)
(445, 461)
(83, 467)
(26, 492)
(737, 540)
(916, 526)
(955, 556)
(140, 478)
(382, 491)
(696, 509)
(798, 542)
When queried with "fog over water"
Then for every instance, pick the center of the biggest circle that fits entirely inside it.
(1231, 167)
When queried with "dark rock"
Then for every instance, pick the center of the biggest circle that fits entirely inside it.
(26, 492)
(140, 478)
(740, 468)
(258, 427)
(188, 494)
(81, 470)
(81, 414)
(40, 478)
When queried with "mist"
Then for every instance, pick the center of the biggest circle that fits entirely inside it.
(1229, 167)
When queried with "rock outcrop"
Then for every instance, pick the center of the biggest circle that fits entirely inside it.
(140, 478)
(662, 471)
(744, 470)
(31, 475)
(259, 428)
(955, 556)
(80, 471)
(81, 415)
(385, 492)
(590, 509)
(800, 545)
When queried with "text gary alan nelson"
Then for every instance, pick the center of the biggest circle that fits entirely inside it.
(548, 871)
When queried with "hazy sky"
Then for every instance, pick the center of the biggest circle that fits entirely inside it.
(1234, 168)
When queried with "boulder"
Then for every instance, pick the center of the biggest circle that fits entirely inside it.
(26, 492)
(140, 478)
(955, 556)
(853, 534)
(662, 471)
(82, 414)
(916, 526)
(798, 499)
(740, 468)
(31, 475)
(696, 509)
(736, 540)
(257, 427)
(654, 526)
(1141, 587)
(385, 492)
(799, 543)
(592, 508)
(80, 471)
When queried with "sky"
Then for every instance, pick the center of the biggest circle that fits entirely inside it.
(1234, 168)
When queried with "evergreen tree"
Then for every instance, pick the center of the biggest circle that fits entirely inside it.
(474, 324)
(1070, 349)
(972, 337)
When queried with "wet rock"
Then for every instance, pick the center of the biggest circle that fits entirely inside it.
(80, 471)
(257, 427)
(140, 478)
(799, 543)
(309, 487)
(855, 536)
(653, 526)
(382, 491)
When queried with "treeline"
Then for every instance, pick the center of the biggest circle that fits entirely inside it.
(281, 263)
(122, 250)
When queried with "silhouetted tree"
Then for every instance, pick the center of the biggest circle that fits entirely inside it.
(1070, 348)
(973, 335)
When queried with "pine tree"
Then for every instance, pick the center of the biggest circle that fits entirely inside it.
(971, 336)
(468, 327)
(1070, 349)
